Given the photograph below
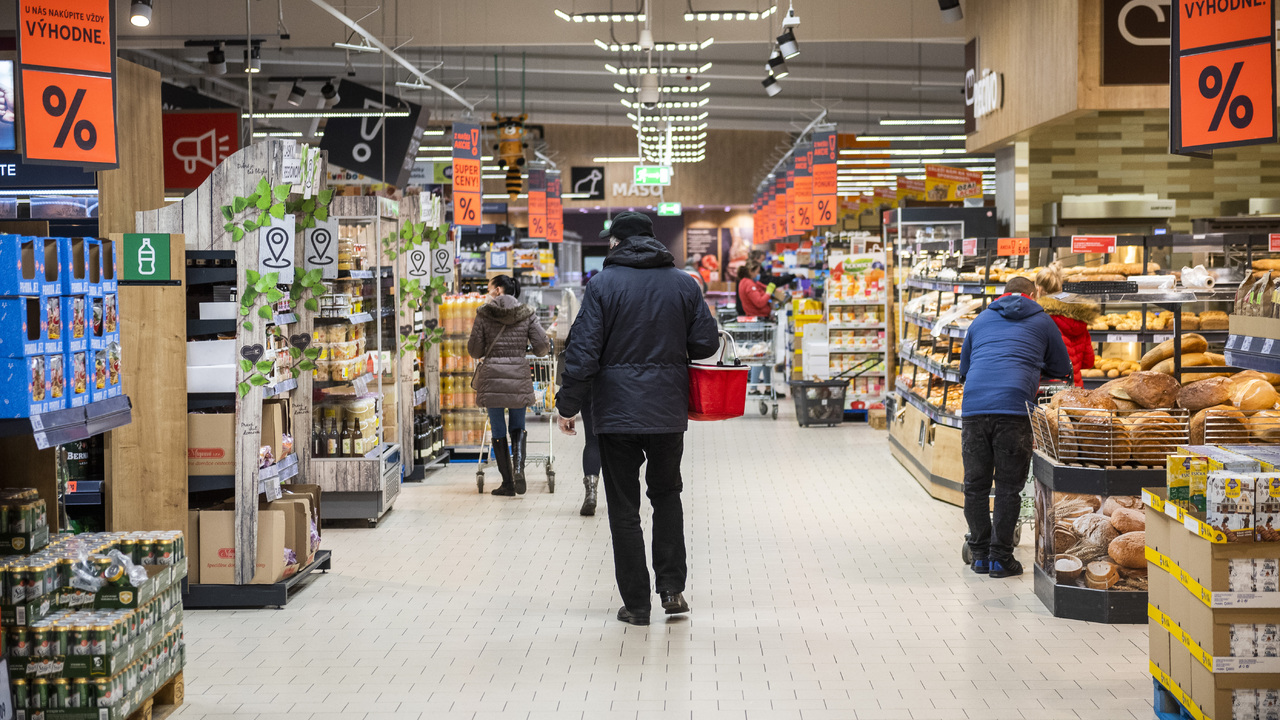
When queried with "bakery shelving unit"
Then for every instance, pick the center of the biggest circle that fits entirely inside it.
(856, 306)
(218, 258)
(359, 382)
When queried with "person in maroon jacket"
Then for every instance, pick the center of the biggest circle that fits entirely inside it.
(1072, 320)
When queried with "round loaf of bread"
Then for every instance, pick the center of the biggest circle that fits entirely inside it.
(1264, 425)
(1149, 389)
(1126, 521)
(1154, 436)
(1254, 394)
(1129, 550)
(1117, 502)
(1205, 393)
(1224, 423)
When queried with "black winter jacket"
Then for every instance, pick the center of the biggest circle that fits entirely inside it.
(642, 320)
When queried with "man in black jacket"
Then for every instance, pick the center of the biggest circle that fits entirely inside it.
(642, 319)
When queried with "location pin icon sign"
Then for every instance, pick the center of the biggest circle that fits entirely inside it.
(418, 263)
(320, 239)
(277, 240)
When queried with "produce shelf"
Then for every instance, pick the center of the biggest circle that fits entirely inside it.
(948, 374)
(933, 413)
(964, 288)
(1153, 336)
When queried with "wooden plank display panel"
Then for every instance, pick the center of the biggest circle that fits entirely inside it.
(410, 213)
(198, 216)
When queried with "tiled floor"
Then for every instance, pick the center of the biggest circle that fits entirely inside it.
(824, 583)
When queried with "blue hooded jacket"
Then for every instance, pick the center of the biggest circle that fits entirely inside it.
(1008, 348)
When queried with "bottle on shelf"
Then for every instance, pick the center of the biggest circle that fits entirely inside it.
(317, 438)
(346, 439)
(358, 440)
(331, 439)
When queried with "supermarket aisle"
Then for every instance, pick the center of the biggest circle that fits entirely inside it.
(824, 584)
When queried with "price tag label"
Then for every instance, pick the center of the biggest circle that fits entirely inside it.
(1246, 343)
(1093, 243)
(1013, 246)
(1231, 342)
(361, 384)
(993, 289)
(969, 246)
(1273, 242)
(37, 422)
(72, 485)
(1161, 338)
(42, 440)
(1266, 346)
(1114, 337)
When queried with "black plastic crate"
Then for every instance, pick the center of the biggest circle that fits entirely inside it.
(819, 402)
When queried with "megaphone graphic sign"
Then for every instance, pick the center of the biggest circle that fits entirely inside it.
(195, 143)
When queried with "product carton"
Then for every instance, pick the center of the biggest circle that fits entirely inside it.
(50, 266)
(104, 322)
(75, 323)
(20, 266)
(1159, 647)
(1186, 479)
(274, 414)
(217, 547)
(1229, 499)
(1266, 509)
(78, 378)
(73, 270)
(297, 528)
(110, 261)
(1216, 693)
(211, 444)
(192, 537)
(306, 544)
(312, 493)
(106, 373)
(94, 247)
(25, 388)
(22, 330)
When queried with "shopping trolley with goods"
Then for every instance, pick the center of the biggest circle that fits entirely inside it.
(754, 341)
(543, 370)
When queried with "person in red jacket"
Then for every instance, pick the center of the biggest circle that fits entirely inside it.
(1072, 319)
(753, 294)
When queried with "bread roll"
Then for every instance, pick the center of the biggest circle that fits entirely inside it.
(1266, 264)
(1191, 343)
(1154, 436)
(1101, 277)
(1189, 377)
(1254, 394)
(1148, 389)
(1265, 426)
(1201, 394)
(1188, 360)
(1125, 520)
(1117, 502)
(1214, 320)
(1225, 423)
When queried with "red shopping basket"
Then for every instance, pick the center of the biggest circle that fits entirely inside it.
(719, 391)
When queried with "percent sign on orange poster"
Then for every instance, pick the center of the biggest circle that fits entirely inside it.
(1222, 84)
(69, 118)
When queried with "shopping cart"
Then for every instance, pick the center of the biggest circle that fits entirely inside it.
(754, 341)
(543, 371)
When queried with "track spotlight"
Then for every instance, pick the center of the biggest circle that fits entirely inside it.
(951, 11)
(776, 65)
(771, 86)
(140, 13)
(253, 60)
(329, 93)
(787, 44)
(217, 61)
(296, 93)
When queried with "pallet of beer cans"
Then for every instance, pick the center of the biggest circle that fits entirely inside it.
(24, 521)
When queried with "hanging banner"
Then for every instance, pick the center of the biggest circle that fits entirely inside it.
(789, 199)
(942, 183)
(380, 147)
(537, 201)
(802, 211)
(195, 142)
(466, 174)
(1222, 80)
(910, 189)
(67, 89)
(555, 208)
(825, 200)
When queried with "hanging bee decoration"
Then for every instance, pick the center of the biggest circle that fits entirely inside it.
(509, 150)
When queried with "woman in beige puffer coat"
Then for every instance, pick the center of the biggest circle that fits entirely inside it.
(504, 330)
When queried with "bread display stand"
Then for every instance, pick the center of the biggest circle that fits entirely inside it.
(199, 218)
(365, 488)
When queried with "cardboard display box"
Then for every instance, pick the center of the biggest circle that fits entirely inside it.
(211, 444)
(217, 547)
(23, 328)
(20, 266)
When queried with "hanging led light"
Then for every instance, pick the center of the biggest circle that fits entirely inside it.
(296, 93)
(692, 16)
(788, 45)
(777, 65)
(329, 93)
(253, 60)
(217, 61)
(140, 13)
(771, 86)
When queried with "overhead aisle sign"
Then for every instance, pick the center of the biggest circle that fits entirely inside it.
(825, 200)
(537, 201)
(466, 174)
(66, 74)
(555, 208)
(1222, 80)
(942, 183)
(802, 211)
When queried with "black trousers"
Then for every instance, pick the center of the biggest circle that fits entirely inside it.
(591, 446)
(996, 448)
(622, 456)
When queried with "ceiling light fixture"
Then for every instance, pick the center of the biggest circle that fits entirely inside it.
(921, 121)
(907, 138)
(659, 47)
(217, 61)
(666, 118)
(296, 93)
(691, 16)
(602, 17)
(615, 159)
(140, 13)
(329, 93)
(951, 11)
(771, 86)
(362, 47)
(333, 113)
(777, 65)
(787, 44)
(665, 89)
(655, 71)
(253, 60)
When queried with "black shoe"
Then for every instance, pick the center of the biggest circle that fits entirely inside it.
(518, 438)
(674, 603)
(590, 482)
(981, 566)
(502, 458)
(632, 617)
(1005, 568)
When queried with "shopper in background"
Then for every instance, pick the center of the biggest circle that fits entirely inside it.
(759, 257)
(691, 269)
(1072, 319)
(753, 295)
(642, 320)
(503, 332)
(1008, 348)
(568, 312)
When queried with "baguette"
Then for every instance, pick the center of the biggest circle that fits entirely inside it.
(1191, 343)
(1188, 360)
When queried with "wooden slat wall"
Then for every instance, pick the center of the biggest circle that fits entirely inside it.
(1035, 45)
(147, 460)
(1092, 95)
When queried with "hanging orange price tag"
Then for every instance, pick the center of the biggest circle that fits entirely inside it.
(1013, 246)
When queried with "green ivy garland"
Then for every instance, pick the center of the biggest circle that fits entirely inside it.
(413, 292)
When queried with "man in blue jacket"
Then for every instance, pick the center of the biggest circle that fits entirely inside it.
(1006, 351)
(642, 320)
